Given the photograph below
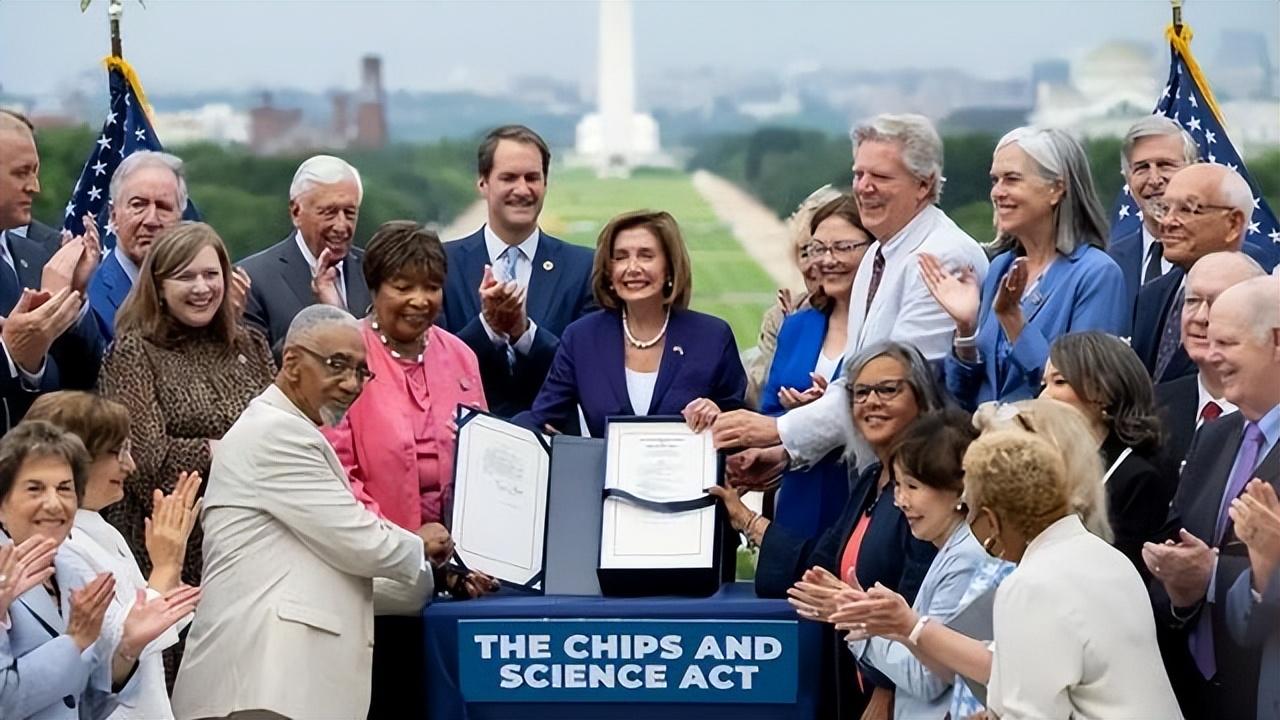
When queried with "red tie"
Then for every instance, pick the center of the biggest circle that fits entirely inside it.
(1210, 411)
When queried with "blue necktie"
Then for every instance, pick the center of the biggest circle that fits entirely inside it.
(510, 257)
(10, 288)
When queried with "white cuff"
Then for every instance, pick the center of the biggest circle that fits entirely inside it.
(525, 343)
(30, 381)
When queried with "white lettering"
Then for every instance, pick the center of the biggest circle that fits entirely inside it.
(532, 676)
(540, 647)
(708, 649)
(572, 649)
(767, 648)
(693, 678)
(510, 676)
(486, 645)
(670, 647)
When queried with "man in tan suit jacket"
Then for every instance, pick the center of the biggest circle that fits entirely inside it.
(285, 626)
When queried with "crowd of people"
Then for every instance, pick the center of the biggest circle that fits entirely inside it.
(1034, 477)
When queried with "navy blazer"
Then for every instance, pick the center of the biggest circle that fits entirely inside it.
(1195, 507)
(890, 554)
(1178, 404)
(559, 293)
(699, 360)
(809, 500)
(1127, 252)
(1255, 624)
(1080, 291)
(107, 291)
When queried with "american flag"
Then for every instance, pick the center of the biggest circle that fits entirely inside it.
(1189, 101)
(126, 130)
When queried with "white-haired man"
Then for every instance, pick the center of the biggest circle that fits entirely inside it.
(292, 558)
(148, 195)
(897, 179)
(317, 262)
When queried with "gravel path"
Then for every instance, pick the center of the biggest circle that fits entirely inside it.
(756, 228)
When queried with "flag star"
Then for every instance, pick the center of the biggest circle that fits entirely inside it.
(99, 168)
(94, 193)
(104, 142)
(71, 208)
(1253, 228)
(1212, 159)
(1210, 137)
(1274, 235)
(1167, 88)
(1124, 211)
(1177, 95)
(120, 152)
(111, 118)
(1139, 214)
(1194, 124)
(1192, 98)
(1233, 167)
(1257, 204)
(1126, 188)
(140, 134)
(1177, 119)
(126, 99)
(111, 227)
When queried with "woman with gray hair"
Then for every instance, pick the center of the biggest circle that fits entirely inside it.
(1102, 377)
(1051, 274)
(890, 385)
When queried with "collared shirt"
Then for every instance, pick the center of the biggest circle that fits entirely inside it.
(30, 381)
(128, 265)
(1147, 241)
(528, 248)
(314, 263)
(1204, 397)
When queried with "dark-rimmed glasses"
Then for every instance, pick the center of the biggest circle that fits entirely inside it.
(340, 365)
(885, 390)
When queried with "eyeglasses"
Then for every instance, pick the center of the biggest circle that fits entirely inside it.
(1142, 169)
(340, 365)
(815, 250)
(1164, 211)
(886, 390)
(125, 451)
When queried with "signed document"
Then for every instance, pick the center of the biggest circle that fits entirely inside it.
(500, 499)
(657, 463)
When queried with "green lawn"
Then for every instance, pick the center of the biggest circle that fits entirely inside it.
(726, 281)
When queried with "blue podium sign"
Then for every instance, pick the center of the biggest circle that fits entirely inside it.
(626, 660)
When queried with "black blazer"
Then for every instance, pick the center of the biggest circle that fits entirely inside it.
(1138, 495)
(1127, 252)
(44, 236)
(559, 293)
(1195, 507)
(1155, 302)
(1177, 402)
(281, 288)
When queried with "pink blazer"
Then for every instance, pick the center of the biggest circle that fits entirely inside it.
(375, 442)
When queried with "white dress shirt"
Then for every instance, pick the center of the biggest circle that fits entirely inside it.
(903, 310)
(1205, 397)
(1147, 241)
(528, 249)
(1074, 634)
(314, 263)
(640, 387)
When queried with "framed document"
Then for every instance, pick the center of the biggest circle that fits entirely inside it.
(657, 515)
(500, 487)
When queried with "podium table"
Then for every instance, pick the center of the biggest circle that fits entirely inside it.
(731, 655)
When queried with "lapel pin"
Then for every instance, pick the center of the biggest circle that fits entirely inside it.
(22, 262)
(548, 265)
(678, 349)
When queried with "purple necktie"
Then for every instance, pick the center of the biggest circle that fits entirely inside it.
(1201, 639)
(1170, 337)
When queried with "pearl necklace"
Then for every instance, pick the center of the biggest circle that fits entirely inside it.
(626, 330)
(387, 342)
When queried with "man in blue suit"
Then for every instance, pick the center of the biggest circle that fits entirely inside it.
(1154, 149)
(512, 289)
(1205, 209)
(148, 194)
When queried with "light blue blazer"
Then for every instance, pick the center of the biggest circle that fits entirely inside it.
(1081, 291)
(52, 679)
(1253, 623)
(919, 693)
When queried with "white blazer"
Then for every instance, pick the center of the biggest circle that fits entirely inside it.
(903, 310)
(285, 623)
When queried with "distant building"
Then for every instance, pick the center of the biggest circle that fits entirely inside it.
(1243, 68)
(371, 114)
(216, 122)
(275, 131)
(1108, 89)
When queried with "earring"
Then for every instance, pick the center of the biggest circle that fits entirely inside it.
(960, 507)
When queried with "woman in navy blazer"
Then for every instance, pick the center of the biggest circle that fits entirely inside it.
(645, 352)
(810, 352)
(1051, 274)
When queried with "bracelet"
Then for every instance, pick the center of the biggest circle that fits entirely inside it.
(752, 527)
(966, 342)
(914, 636)
(746, 526)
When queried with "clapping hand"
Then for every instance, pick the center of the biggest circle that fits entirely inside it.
(792, 398)
(818, 593)
(23, 567)
(699, 414)
(166, 532)
(1184, 567)
(238, 291)
(148, 619)
(503, 305)
(958, 293)
(88, 253)
(37, 320)
(88, 607)
(1008, 303)
(324, 283)
(1256, 514)
(881, 612)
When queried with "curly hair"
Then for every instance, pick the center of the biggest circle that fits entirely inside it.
(1020, 477)
(40, 439)
(1106, 372)
(1068, 431)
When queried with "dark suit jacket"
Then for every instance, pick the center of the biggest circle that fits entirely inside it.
(1127, 252)
(107, 292)
(1177, 402)
(559, 293)
(74, 358)
(48, 238)
(699, 359)
(1195, 507)
(281, 287)
(1138, 495)
(890, 554)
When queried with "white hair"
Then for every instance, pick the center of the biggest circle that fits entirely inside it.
(324, 170)
(1154, 125)
(1262, 296)
(314, 318)
(1234, 192)
(1059, 158)
(921, 145)
(149, 159)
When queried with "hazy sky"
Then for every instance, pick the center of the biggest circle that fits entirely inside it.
(181, 45)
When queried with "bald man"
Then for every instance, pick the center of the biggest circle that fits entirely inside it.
(1185, 403)
(1205, 209)
(1203, 558)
